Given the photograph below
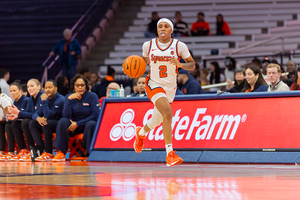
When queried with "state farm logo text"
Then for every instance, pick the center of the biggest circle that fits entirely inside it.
(201, 126)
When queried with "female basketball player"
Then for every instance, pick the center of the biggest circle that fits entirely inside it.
(163, 54)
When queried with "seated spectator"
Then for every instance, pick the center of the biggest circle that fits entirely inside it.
(152, 26)
(80, 114)
(20, 101)
(4, 77)
(200, 27)
(6, 103)
(203, 77)
(95, 79)
(257, 62)
(45, 120)
(85, 73)
(189, 85)
(239, 81)
(254, 80)
(180, 28)
(230, 65)
(111, 86)
(291, 68)
(222, 26)
(296, 84)
(274, 73)
(196, 72)
(63, 85)
(22, 126)
(100, 89)
(141, 92)
(215, 75)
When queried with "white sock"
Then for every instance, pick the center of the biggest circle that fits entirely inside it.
(169, 148)
(142, 132)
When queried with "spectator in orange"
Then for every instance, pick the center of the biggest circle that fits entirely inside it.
(222, 27)
(200, 27)
(296, 84)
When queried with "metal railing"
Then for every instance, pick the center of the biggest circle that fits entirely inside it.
(255, 44)
(82, 29)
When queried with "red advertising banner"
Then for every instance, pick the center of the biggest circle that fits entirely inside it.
(264, 123)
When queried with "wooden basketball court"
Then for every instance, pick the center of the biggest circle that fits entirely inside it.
(143, 181)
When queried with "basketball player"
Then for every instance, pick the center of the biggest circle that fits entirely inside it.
(163, 54)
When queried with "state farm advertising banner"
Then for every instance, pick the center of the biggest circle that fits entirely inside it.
(266, 123)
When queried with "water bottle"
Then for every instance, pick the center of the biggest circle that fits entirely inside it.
(117, 93)
(122, 91)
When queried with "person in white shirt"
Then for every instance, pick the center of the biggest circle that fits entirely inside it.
(163, 54)
(5, 103)
(274, 73)
(4, 77)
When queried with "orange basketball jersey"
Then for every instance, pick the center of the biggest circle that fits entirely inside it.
(161, 71)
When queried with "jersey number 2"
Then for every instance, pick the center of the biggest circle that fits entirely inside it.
(163, 71)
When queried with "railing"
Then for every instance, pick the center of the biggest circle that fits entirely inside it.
(282, 52)
(82, 29)
(258, 44)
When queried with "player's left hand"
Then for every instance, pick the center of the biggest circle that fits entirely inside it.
(174, 61)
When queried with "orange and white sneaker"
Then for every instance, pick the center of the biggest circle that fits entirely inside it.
(44, 157)
(26, 158)
(9, 156)
(59, 157)
(139, 140)
(3, 157)
(173, 159)
(20, 154)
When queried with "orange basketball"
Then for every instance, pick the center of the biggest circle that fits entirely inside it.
(134, 66)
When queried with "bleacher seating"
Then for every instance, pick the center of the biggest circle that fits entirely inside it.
(250, 21)
(30, 29)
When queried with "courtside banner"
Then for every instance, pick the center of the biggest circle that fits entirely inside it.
(257, 123)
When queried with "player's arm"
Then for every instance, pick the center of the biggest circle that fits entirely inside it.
(146, 49)
(146, 59)
(185, 54)
(188, 65)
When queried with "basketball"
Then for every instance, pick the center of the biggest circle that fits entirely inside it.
(134, 66)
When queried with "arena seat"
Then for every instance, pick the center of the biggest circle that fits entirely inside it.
(73, 150)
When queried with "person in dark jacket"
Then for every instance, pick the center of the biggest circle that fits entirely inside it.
(68, 50)
(22, 126)
(189, 84)
(80, 114)
(20, 101)
(239, 81)
(152, 26)
(45, 120)
(254, 80)
(100, 89)
(63, 85)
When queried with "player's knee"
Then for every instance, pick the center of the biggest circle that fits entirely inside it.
(167, 116)
(153, 122)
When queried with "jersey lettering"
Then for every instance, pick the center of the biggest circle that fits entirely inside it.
(163, 71)
(161, 58)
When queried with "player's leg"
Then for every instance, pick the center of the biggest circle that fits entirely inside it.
(141, 132)
(165, 109)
